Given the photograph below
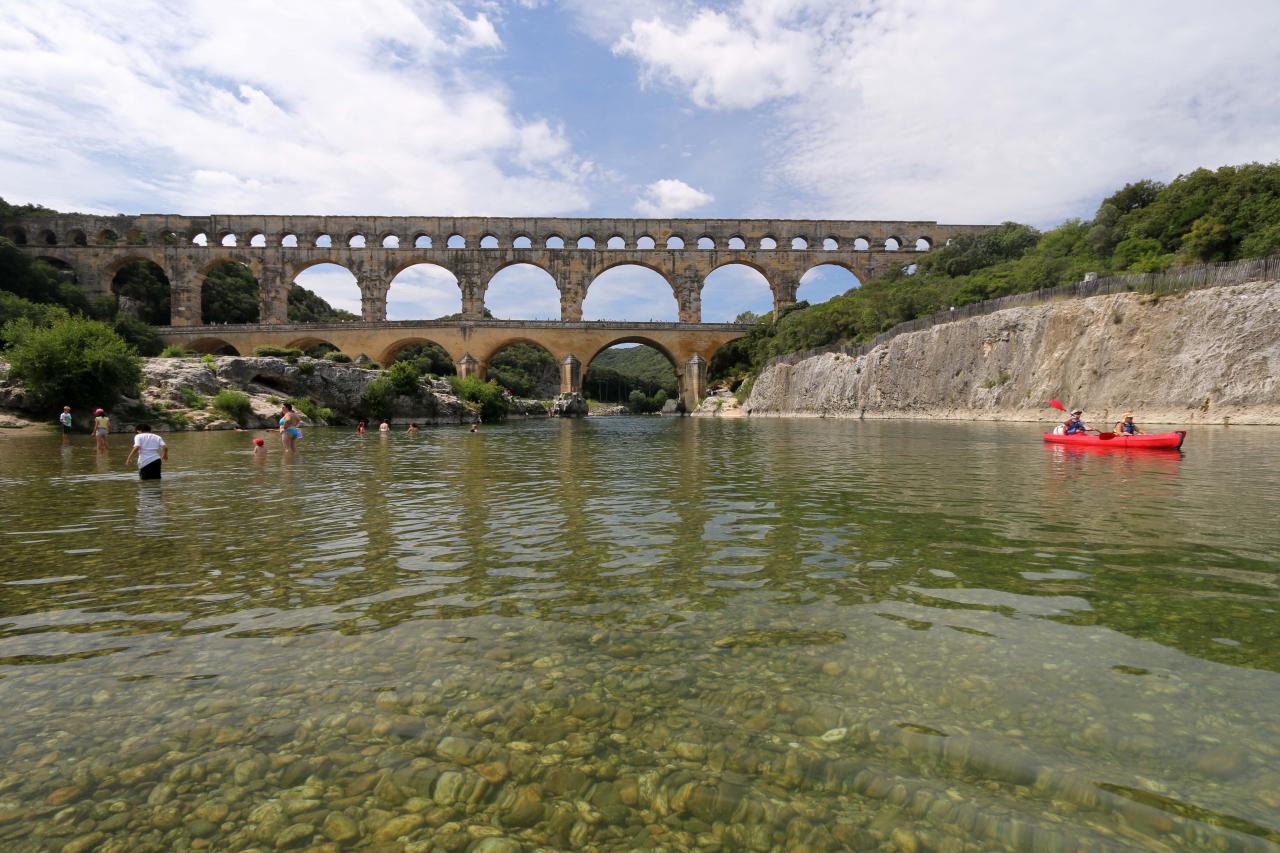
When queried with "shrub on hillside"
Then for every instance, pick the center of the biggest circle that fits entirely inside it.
(486, 395)
(14, 307)
(337, 357)
(377, 397)
(277, 352)
(232, 403)
(404, 376)
(175, 351)
(143, 337)
(313, 410)
(72, 361)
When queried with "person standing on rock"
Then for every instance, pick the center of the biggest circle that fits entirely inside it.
(149, 449)
(65, 420)
(290, 428)
(1126, 426)
(101, 426)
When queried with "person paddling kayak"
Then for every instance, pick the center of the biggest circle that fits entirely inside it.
(1126, 426)
(1075, 423)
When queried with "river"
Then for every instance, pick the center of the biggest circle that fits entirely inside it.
(643, 633)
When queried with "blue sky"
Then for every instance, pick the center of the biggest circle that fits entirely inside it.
(919, 109)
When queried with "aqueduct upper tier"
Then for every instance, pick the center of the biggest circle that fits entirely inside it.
(375, 248)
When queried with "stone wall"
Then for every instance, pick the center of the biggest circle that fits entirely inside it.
(1208, 356)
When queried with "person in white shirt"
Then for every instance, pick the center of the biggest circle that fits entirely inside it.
(149, 449)
(65, 420)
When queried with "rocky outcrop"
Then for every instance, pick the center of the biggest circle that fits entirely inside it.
(569, 406)
(1207, 356)
(721, 403)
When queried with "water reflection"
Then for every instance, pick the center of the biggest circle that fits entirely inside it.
(734, 634)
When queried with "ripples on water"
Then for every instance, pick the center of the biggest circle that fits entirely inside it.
(632, 633)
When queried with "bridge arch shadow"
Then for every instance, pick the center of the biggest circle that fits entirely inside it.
(212, 346)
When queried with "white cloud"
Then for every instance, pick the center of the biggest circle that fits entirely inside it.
(286, 107)
(979, 112)
(669, 197)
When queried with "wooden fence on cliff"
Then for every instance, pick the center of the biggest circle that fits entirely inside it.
(1198, 277)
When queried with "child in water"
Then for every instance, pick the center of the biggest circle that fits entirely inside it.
(259, 450)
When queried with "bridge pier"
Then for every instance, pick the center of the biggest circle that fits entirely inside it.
(693, 382)
(468, 365)
(688, 290)
(273, 297)
(570, 375)
(184, 300)
(784, 293)
(373, 296)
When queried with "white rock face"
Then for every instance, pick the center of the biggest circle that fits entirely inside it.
(1209, 356)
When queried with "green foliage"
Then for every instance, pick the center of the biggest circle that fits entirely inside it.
(14, 307)
(191, 398)
(142, 336)
(641, 404)
(378, 397)
(404, 376)
(71, 361)
(527, 370)
(232, 403)
(486, 395)
(616, 372)
(337, 357)
(306, 368)
(175, 351)
(229, 294)
(429, 357)
(209, 360)
(313, 410)
(304, 306)
(145, 283)
(277, 352)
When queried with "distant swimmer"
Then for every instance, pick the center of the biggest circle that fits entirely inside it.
(1126, 426)
(360, 428)
(149, 449)
(412, 427)
(259, 450)
(384, 427)
(475, 426)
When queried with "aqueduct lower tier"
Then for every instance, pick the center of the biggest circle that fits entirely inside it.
(689, 347)
(375, 249)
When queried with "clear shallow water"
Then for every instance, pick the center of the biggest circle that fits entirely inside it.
(643, 633)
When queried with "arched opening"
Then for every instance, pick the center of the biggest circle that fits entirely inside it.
(422, 241)
(289, 241)
(824, 281)
(142, 290)
(829, 244)
(169, 238)
(47, 238)
(616, 242)
(737, 243)
(488, 241)
(456, 241)
(634, 374)
(356, 241)
(799, 243)
(523, 292)
(428, 356)
(646, 243)
(735, 293)
(313, 347)
(630, 292)
(77, 237)
(768, 243)
(391, 241)
(258, 241)
(706, 243)
(861, 244)
(107, 237)
(526, 369)
(923, 244)
(200, 239)
(324, 293)
(228, 239)
(555, 242)
(522, 242)
(424, 292)
(893, 244)
(586, 242)
(17, 235)
(212, 346)
(674, 242)
(135, 237)
(229, 294)
(323, 241)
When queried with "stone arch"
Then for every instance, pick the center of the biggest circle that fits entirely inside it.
(617, 241)
(830, 243)
(706, 242)
(201, 295)
(861, 244)
(892, 243)
(586, 241)
(589, 357)
(198, 238)
(727, 292)
(827, 280)
(553, 241)
(289, 241)
(617, 264)
(799, 243)
(257, 240)
(389, 354)
(489, 241)
(736, 243)
(416, 286)
(924, 243)
(322, 240)
(389, 240)
(422, 240)
(355, 240)
(768, 243)
(456, 241)
(135, 237)
(150, 288)
(226, 238)
(76, 237)
(522, 241)
(644, 243)
(107, 237)
(307, 342)
(675, 241)
(16, 234)
(46, 237)
(534, 375)
(109, 270)
(212, 346)
(533, 281)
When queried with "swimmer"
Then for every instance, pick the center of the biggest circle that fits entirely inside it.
(412, 427)
(360, 428)
(259, 450)
(384, 427)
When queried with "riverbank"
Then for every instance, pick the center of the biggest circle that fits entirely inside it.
(183, 394)
(1199, 357)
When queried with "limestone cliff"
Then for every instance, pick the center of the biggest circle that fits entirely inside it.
(1207, 356)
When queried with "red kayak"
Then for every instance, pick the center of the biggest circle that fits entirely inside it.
(1158, 441)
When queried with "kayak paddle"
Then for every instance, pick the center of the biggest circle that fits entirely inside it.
(1057, 405)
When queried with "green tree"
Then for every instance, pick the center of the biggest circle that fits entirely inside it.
(429, 357)
(305, 306)
(72, 361)
(404, 376)
(486, 395)
(146, 286)
(527, 370)
(229, 294)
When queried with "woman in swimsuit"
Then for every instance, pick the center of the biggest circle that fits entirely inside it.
(290, 428)
(101, 426)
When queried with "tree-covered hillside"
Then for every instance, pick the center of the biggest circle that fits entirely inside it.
(1207, 215)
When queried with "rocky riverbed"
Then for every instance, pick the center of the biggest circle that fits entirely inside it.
(178, 394)
(1207, 357)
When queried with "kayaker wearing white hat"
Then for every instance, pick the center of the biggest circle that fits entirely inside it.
(1075, 424)
(1126, 426)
